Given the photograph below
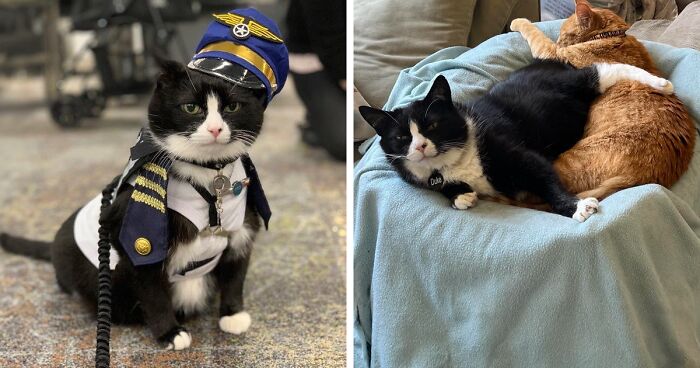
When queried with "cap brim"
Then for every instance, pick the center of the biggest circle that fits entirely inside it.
(227, 70)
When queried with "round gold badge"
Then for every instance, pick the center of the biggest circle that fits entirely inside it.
(142, 246)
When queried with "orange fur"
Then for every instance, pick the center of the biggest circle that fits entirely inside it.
(634, 134)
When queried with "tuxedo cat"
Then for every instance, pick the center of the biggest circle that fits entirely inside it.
(504, 142)
(193, 118)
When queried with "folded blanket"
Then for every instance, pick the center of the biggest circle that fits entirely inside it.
(501, 286)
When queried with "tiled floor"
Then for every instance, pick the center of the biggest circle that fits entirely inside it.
(295, 289)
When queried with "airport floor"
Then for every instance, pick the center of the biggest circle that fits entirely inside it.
(295, 289)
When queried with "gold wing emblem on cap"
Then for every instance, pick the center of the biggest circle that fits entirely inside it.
(254, 27)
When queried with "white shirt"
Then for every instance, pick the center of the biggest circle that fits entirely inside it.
(184, 199)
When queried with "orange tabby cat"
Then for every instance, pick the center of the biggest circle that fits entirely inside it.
(634, 134)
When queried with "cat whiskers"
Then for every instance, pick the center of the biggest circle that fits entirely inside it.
(428, 109)
(446, 146)
(190, 78)
(394, 157)
(248, 137)
(392, 118)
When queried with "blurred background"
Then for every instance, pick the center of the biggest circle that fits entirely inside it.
(75, 80)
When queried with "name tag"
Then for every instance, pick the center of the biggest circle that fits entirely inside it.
(436, 181)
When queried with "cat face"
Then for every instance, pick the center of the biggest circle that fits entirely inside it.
(422, 131)
(587, 23)
(200, 118)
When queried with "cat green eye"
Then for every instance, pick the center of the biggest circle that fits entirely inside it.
(232, 107)
(433, 126)
(191, 109)
(401, 137)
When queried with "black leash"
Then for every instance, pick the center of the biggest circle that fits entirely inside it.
(211, 200)
(104, 283)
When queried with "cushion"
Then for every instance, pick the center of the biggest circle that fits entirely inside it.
(502, 286)
(684, 31)
(390, 35)
(394, 34)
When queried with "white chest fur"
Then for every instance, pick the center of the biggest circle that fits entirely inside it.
(468, 169)
(457, 165)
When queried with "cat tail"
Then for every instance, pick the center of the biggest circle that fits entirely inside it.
(30, 248)
(607, 187)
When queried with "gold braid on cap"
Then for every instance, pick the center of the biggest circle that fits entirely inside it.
(246, 54)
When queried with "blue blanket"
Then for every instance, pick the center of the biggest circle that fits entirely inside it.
(500, 286)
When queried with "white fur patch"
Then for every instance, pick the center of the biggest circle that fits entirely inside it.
(182, 340)
(235, 324)
(183, 148)
(456, 165)
(465, 201)
(585, 208)
(240, 242)
(197, 250)
(198, 174)
(609, 74)
(190, 295)
(418, 140)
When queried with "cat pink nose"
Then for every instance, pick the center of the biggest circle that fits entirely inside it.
(421, 147)
(215, 131)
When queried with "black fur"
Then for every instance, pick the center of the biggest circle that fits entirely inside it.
(177, 86)
(521, 125)
(30, 248)
(143, 294)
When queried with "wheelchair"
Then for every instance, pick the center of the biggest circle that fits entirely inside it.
(127, 34)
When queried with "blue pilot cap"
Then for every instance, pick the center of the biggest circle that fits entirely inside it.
(244, 47)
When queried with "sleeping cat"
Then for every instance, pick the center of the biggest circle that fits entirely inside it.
(634, 134)
(504, 142)
(205, 125)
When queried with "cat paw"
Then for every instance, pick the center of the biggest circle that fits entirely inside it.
(585, 208)
(465, 201)
(236, 324)
(516, 25)
(178, 339)
(662, 85)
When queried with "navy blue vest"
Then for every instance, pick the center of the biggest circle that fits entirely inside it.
(144, 232)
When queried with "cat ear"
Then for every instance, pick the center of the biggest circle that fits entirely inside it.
(171, 71)
(440, 90)
(377, 118)
(584, 13)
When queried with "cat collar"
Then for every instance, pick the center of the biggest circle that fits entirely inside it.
(436, 181)
(609, 34)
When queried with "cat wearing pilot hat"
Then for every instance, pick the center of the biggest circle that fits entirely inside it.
(187, 208)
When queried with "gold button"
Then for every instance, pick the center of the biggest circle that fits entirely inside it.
(142, 246)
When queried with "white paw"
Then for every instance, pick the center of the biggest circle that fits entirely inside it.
(181, 341)
(662, 85)
(235, 324)
(465, 201)
(585, 208)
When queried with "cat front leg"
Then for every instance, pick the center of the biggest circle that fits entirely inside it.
(609, 74)
(540, 45)
(153, 292)
(230, 274)
(461, 195)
